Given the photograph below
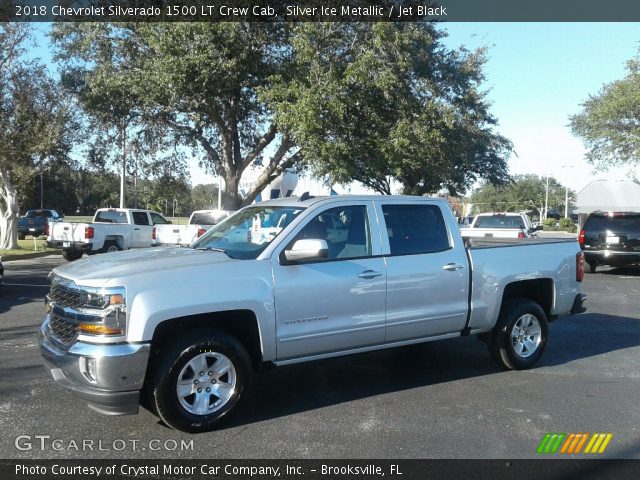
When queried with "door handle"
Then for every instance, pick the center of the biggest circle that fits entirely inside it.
(136, 229)
(452, 267)
(368, 274)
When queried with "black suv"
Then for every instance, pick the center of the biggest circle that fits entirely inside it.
(611, 238)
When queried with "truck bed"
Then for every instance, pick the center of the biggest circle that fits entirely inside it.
(475, 243)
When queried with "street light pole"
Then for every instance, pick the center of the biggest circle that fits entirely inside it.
(41, 192)
(546, 198)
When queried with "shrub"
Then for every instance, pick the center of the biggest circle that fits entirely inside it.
(566, 222)
(549, 222)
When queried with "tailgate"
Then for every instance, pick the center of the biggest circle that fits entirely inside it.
(171, 235)
(67, 232)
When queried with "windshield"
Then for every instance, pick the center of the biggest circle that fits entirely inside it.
(247, 233)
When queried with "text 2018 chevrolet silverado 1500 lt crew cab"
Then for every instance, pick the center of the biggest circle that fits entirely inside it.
(112, 229)
(292, 280)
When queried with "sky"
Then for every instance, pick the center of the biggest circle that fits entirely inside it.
(537, 75)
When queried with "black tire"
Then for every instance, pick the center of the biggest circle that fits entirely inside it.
(21, 236)
(71, 255)
(110, 246)
(162, 388)
(501, 344)
(592, 266)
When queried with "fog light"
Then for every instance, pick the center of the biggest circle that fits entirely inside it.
(88, 368)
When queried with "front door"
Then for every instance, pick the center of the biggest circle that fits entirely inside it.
(338, 303)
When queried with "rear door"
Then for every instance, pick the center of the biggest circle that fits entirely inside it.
(338, 303)
(427, 272)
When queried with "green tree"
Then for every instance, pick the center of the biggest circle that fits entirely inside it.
(35, 125)
(360, 101)
(609, 123)
(379, 101)
(197, 81)
(204, 196)
(522, 193)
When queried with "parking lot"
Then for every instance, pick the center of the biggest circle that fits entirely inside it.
(438, 400)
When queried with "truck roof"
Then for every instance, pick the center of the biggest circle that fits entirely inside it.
(311, 200)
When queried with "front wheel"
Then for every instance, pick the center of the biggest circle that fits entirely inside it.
(520, 334)
(199, 382)
(71, 255)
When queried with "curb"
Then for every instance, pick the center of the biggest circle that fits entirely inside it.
(24, 256)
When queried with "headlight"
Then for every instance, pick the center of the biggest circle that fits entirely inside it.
(101, 300)
(113, 321)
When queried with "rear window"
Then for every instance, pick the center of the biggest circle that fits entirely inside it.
(619, 224)
(207, 218)
(39, 213)
(111, 216)
(499, 221)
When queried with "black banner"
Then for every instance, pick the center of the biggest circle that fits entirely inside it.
(320, 469)
(320, 10)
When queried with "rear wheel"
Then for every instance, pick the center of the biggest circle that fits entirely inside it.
(198, 383)
(520, 334)
(21, 236)
(110, 246)
(71, 255)
(592, 266)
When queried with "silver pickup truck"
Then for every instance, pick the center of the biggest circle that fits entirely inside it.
(292, 280)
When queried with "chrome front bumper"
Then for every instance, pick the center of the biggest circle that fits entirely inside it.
(108, 377)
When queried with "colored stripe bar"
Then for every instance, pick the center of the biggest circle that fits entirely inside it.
(543, 443)
(581, 443)
(606, 441)
(571, 438)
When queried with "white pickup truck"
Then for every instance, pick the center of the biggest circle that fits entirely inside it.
(182, 329)
(500, 225)
(112, 229)
(183, 235)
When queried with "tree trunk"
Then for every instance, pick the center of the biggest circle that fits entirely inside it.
(8, 214)
(230, 197)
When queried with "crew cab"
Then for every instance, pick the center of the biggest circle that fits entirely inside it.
(500, 225)
(112, 229)
(36, 222)
(199, 222)
(611, 238)
(294, 280)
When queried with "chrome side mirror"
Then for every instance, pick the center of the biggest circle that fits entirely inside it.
(307, 249)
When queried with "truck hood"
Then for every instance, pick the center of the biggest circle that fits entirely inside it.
(99, 269)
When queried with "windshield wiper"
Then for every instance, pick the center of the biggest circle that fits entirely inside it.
(212, 249)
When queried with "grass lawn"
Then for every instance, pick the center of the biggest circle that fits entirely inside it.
(26, 247)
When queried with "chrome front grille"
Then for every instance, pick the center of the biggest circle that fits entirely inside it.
(65, 297)
(62, 330)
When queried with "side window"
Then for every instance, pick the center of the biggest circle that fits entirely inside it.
(158, 219)
(140, 218)
(415, 229)
(345, 229)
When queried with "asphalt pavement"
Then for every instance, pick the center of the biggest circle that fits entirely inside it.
(437, 400)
